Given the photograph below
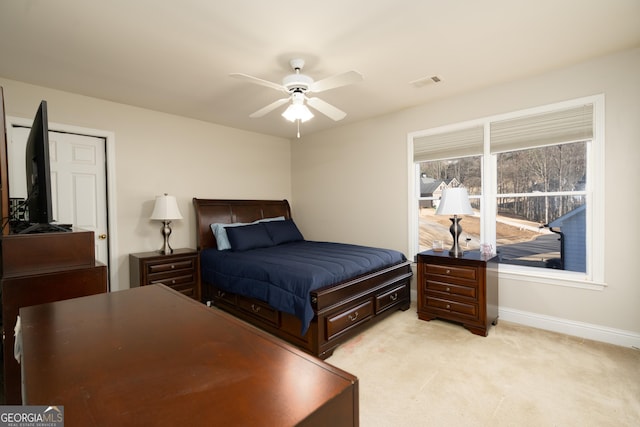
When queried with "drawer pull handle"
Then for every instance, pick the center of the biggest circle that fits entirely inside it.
(354, 317)
(448, 271)
(448, 306)
(173, 266)
(394, 297)
(448, 289)
(173, 282)
(255, 308)
(220, 294)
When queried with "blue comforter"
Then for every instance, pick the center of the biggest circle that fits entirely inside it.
(284, 275)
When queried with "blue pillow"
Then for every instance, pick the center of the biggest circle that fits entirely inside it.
(245, 237)
(222, 241)
(220, 232)
(283, 231)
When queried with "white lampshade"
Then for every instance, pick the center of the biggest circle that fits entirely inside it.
(166, 208)
(455, 201)
(297, 110)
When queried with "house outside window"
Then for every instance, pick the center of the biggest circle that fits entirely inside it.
(534, 179)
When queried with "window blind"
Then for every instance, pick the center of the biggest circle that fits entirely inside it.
(556, 127)
(458, 143)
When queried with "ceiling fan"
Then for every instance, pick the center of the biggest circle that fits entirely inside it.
(298, 86)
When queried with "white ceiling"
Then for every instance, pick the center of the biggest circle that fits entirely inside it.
(175, 56)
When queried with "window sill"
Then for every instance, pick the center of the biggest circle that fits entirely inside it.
(549, 277)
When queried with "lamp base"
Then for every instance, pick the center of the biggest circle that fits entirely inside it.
(455, 230)
(166, 232)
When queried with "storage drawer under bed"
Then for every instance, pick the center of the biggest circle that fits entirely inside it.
(342, 321)
(392, 297)
(258, 309)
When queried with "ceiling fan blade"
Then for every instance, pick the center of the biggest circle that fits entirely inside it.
(326, 109)
(338, 80)
(258, 81)
(269, 108)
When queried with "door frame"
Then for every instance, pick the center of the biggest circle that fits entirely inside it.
(110, 170)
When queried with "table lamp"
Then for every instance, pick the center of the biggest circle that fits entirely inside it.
(166, 210)
(455, 201)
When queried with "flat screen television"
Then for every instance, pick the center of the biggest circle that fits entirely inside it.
(39, 203)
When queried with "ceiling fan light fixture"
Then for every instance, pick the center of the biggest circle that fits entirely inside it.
(297, 110)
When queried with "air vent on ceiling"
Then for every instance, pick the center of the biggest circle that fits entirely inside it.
(424, 81)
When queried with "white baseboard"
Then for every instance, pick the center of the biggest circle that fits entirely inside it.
(564, 326)
(570, 327)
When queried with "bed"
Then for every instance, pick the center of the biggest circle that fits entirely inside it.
(326, 314)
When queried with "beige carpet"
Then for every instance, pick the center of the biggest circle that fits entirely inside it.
(417, 373)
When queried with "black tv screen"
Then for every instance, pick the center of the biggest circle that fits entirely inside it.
(39, 203)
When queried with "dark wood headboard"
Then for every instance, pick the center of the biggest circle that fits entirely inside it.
(209, 211)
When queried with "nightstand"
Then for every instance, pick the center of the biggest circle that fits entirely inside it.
(463, 290)
(179, 270)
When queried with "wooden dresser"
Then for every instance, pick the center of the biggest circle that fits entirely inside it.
(463, 290)
(40, 268)
(179, 270)
(151, 356)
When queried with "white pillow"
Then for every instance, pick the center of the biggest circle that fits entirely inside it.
(222, 240)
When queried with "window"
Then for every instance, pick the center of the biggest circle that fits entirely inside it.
(534, 179)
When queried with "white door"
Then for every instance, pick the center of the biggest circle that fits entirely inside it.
(78, 181)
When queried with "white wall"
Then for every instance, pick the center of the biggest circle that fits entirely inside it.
(350, 184)
(157, 153)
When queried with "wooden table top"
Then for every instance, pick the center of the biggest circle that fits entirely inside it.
(151, 356)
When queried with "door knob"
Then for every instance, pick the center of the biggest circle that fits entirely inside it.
(102, 236)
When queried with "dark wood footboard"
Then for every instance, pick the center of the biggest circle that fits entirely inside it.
(341, 311)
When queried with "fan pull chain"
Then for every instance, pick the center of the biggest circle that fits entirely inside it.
(298, 122)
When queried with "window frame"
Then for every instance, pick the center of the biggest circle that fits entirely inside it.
(593, 278)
